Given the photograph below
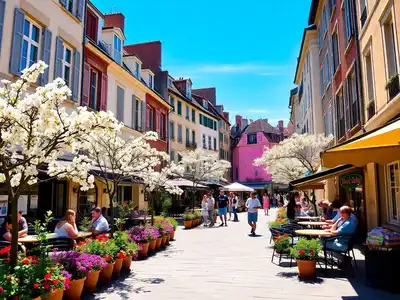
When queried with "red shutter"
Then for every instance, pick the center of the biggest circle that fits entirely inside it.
(158, 122)
(104, 89)
(86, 83)
(148, 119)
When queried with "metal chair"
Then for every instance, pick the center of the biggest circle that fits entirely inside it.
(347, 253)
(4, 244)
(275, 232)
(59, 243)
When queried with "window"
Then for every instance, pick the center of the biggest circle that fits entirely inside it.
(390, 46)
(347, 20)
(172, 156)
(179, 108)
(324, 21)
(353, 100)
(30, 44)
(393, 193)
(204, 142)
(330, 120)
(326, 130)
(87, 200)
(172, 102)
(117, 49)
(252, 139)
(369, 86)
(364, 12)
(308, 96)
(193, 115)
(341, 126)
(120, 103)
(336, 51)
(327, 71)
(205, 104)
(319, 37)
(70, 6)
(169, 82)
(151, 81)
(162, 126)
(180, 133)
(201, 119)
(94, 78)
(150, 118)
(215, 125)
(321, 78)
(209, 142)
(179, 157)
(215, 144)
(67, 65)
(193, 136)
(187, 135)
(187, 112)
(137, 114)
(188, 90)
(172, 130)
(91, 25)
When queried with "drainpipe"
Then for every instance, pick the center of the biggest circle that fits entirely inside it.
(83, 50)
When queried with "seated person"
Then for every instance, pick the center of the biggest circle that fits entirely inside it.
(99, 223)
(335, 214)
(67, 226)
(5, 230)
(304, 204)
(22, 225)
(343, 228)
(135, 212)
(299, 210)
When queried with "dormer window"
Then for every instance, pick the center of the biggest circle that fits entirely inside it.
(188, 90)
(137, 69)
(117, 49)
(70, 6)
(169, 82)
(150, 81)
(205, 104)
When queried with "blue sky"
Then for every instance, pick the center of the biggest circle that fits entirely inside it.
(246, 49)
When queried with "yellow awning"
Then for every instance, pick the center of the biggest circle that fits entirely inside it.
(380, 146)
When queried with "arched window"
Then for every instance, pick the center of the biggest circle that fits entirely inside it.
(86, 201)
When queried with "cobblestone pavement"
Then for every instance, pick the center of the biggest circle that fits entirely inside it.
(226, 263)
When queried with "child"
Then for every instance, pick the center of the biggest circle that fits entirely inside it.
(204, 210)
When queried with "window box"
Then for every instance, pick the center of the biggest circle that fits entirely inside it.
(393, 86)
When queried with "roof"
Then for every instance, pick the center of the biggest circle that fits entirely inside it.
(114, 27)
(214, 113)
(310, 28)
(292, 93)
(313, 11)
(92, 6)
(261, 125)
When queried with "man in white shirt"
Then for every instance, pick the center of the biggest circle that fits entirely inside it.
(252, 205)
(99, 223)
(210, 207)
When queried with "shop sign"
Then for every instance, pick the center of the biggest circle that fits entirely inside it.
(351, 181)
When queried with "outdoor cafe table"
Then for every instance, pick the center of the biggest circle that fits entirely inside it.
(313, 232)
(30, 239)
(307, 218)
(309, 223)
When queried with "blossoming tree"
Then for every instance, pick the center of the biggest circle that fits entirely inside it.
(35, 130)
(294, 158)
(200, 166)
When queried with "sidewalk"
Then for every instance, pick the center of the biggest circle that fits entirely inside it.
(226, 263)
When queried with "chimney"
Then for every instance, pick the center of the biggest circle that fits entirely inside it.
(149, 53)
(115, 20)
(209, 93)
(245, 122)
(238, 121)
(280, 126)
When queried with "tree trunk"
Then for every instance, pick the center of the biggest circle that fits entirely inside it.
(14, 230)
(111, 196)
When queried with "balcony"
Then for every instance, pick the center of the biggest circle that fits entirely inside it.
(371, 109)
(192, 145)
(364, 16)
(393, 86)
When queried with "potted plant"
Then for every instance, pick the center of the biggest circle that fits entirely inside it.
(306, 253)
(121, 239)
(167, 230)
(152, 234)
(174, 224)
(139, 235)
(55, 281)
(160, 229)
(198, 216)
(131, 252)
(282, 243)
(188, 220)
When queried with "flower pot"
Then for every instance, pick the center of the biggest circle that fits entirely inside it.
(37, 298)
(126, 265)
(91, 281)
(54, 295)
(167, 242)
(152, 246)
(144, 249)
(164, 240)
(158, 242)
(188, 224)
(75, 289)
(106, 274)
(172, 235)
(117, 266)
(307, 268)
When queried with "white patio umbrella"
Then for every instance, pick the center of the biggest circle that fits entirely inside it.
(237, 187)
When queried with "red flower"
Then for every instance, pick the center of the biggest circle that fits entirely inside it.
(46, 284)
(47, 276)
(56, 281)
(279, 235)
(9, 278)
(301, 252)
(1, 289)
(8, 260)
(25, 261)
(312, 252)
(35, 285)
(66, 281)
(16, 298)
(285, 236)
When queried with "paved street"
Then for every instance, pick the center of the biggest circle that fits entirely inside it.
(225, 263)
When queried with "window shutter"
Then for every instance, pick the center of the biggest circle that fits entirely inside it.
(2, 12)
(147, 110)
(143, 114)
(79, 10)
(158, 117)
(44, 78)
(104, 92)
(59, 57)
(16, 46)
(86, 83)
(63, 2)
(77, 71)
(133, 111)
(120, 104)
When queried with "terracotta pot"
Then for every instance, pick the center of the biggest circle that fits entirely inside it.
(37, 298)
(164, 240)
(152, 246)
(117, 266)
(106, 274)
(54, 295)
(158, 242)
(145, 249)
(167, 242)
(188, 224)
(307, 268)
(126, 265)
(75, 289)
(172, 235)
(91, 281)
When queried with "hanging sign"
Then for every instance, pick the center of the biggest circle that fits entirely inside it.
(351, 181)
(34, 202)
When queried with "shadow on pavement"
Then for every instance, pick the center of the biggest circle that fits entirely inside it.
(255, 236)
(317, 280)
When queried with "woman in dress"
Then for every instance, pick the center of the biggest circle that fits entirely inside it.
(204, 210)
(266, 203)
(67, 226)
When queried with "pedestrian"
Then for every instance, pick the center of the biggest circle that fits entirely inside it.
(230, 205)
(278, 200)
(291, 208)
(223, 203)
(235, 205)
(210, 207)
(252, 205)
(266, 203)
(204, 210)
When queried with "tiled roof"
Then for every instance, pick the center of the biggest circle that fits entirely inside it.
(261, 125)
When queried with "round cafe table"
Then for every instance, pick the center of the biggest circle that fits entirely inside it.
(309, 223)
(30, 239)
(313, 232)
(308, 218)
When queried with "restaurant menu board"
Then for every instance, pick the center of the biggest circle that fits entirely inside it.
(34, 202)
(3, 205)
(23, 204)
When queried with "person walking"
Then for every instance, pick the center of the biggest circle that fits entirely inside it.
(230, 206)
(235, 205)
(252, 205)
(266, 203)
(210, 207)
(223, 203)
(204, 211)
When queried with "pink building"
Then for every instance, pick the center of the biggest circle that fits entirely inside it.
(250, 140)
